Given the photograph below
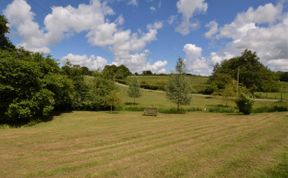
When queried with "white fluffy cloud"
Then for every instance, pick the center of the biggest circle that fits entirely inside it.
(91, 62)
(263, 30)
(60, 21)
(128, 47)
(213, 29)
(188, 8)
(19, 14)
(195, 62)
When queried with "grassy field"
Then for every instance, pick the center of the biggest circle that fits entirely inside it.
(199, 83)
(99, 144)
(158, 99)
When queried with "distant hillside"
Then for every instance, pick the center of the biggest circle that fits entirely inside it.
(199, 83)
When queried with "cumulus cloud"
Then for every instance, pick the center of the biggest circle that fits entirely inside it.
(91, 62)
(195, 62)
(67, 19)
(187, 9)
(264, 30)
(19, 14)
(60, 21)
(128, 47)
(279, 64)
(213, 29)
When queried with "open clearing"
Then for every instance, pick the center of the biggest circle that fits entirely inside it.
(99, 144)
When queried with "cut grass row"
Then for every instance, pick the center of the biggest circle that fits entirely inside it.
(90, 144)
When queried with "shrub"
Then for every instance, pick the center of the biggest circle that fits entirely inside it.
(244, 104)
(19, 112)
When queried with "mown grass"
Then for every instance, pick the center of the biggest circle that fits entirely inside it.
(100, 144)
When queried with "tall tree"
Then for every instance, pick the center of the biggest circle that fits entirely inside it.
(134, 90)
(252, 74)
(179, 87)
(4, 41)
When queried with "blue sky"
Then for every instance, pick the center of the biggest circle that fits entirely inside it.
(151, 34)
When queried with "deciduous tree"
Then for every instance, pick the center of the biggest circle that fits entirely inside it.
(179, 87)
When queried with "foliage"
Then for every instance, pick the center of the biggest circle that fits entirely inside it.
(4, 41)
(23, 111)
(252, 74)
(147, 72)
(122, 72)
(283, 76)
(229, 91)
(98, 89)
(75, 73)
(134, 90)
(112, 99)
(178, 87)
(113, 72)
(244, 104)
(63, 89)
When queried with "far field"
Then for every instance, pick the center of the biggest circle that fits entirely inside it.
(158, 99)
(127, 144)
(199, 83)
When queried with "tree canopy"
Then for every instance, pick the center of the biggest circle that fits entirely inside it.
(178, 89)
(252, 74)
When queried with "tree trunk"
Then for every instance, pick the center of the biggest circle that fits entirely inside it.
(178, 107)
(134, 101)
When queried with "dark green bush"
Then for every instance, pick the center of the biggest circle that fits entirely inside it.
(19, 113)
(244, 104)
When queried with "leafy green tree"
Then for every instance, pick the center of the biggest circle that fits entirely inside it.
(252, 74)
(109, 72)
(113, 72)
(283, 76)
(179, 88)
(75, 73)
(63, 89)
(113, 99)
(147, 72)
(4, 41)
(98, 91)
(122, 72)
(134, 90)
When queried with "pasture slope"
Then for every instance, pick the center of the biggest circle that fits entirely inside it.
(127, 144)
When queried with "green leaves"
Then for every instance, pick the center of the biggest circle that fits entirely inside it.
(178, 89)
(252, 74)
(244, 104)
(134, 89)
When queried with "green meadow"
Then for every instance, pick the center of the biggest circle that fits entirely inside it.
(128, 144)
